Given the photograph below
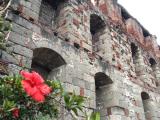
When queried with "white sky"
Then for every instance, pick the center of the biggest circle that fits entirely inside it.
(147, 12)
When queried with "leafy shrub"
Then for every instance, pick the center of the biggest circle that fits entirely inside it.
(27, 96)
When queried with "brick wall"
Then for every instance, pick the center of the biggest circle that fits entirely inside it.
(66, 32)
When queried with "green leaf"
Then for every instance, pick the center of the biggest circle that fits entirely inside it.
(8, 105)
(75, 111)
(73, 102)
(95, 116)
(66, 100)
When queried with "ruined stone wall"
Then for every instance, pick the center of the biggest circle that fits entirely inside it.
(95, 48)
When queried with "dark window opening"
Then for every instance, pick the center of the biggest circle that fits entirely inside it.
(102, 79)
(134, 50)
(145, 32)
(45, 60)
(145, 102)
(125, 14)
(49, 12)
(102, 83)
(97, 26)
(1, 2)
(144, 96)
(157, 83)
(54, 3)
(152, 62)
(76, 45)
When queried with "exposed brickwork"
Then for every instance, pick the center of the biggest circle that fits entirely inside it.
(95, 48)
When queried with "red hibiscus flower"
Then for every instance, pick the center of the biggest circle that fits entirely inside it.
(34, 86)
(15, 112)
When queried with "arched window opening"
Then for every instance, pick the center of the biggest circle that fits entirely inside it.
(125, 14)
(144, 96)
(157, 84)
(49, 12)
(102, 79)
(134, 50)
(145, 101)
(152, 63)
(102, 82)
(97, 26)
(45, 60)
(145, 32)
(154, 70)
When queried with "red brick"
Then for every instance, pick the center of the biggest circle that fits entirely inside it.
(103, 8)
(109, 112)
(76, 22)
(81, 91)
(126, 112)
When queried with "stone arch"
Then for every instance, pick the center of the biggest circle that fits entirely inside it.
(145, 32)
(154, 70)
(145, 96)
(152, 62)
(50, 9)
(45, 60)
(97, 27)
(96, 23)
(125, 15)
(103, 101)
(56, 46)
(101, 79)
(134, 51)
(150, 106)
(145, 102)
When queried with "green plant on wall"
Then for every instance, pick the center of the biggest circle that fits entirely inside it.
(27, 96)
(5, 27)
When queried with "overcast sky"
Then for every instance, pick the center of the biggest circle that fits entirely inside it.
(146, 12)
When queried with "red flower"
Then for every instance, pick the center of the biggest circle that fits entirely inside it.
(34, 86)
(15, 112)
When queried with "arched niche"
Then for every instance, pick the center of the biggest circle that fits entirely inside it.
(145, 96)
(134, 50)
(145, 103)
(152, 63)
(125, 15)
(49, 12)
(103, 95)
(97, 27)
(101, 79)
(46, 60)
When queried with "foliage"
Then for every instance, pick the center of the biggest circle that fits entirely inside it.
(73, 103)
(94, 116)
(5, 27)
(23, 102)
(17, 103)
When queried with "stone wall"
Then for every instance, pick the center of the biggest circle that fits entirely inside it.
(88, 45)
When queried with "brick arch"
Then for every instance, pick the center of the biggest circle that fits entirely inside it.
(102, 79)
(51, 9)
(45, 60)
(146, 103)
(152, 62)
(145, 95)
(97, 30)
(96, 23)
(103, 88)
(57, 47)
(54, 3)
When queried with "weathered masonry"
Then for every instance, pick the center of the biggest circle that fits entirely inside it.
(95, 48)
